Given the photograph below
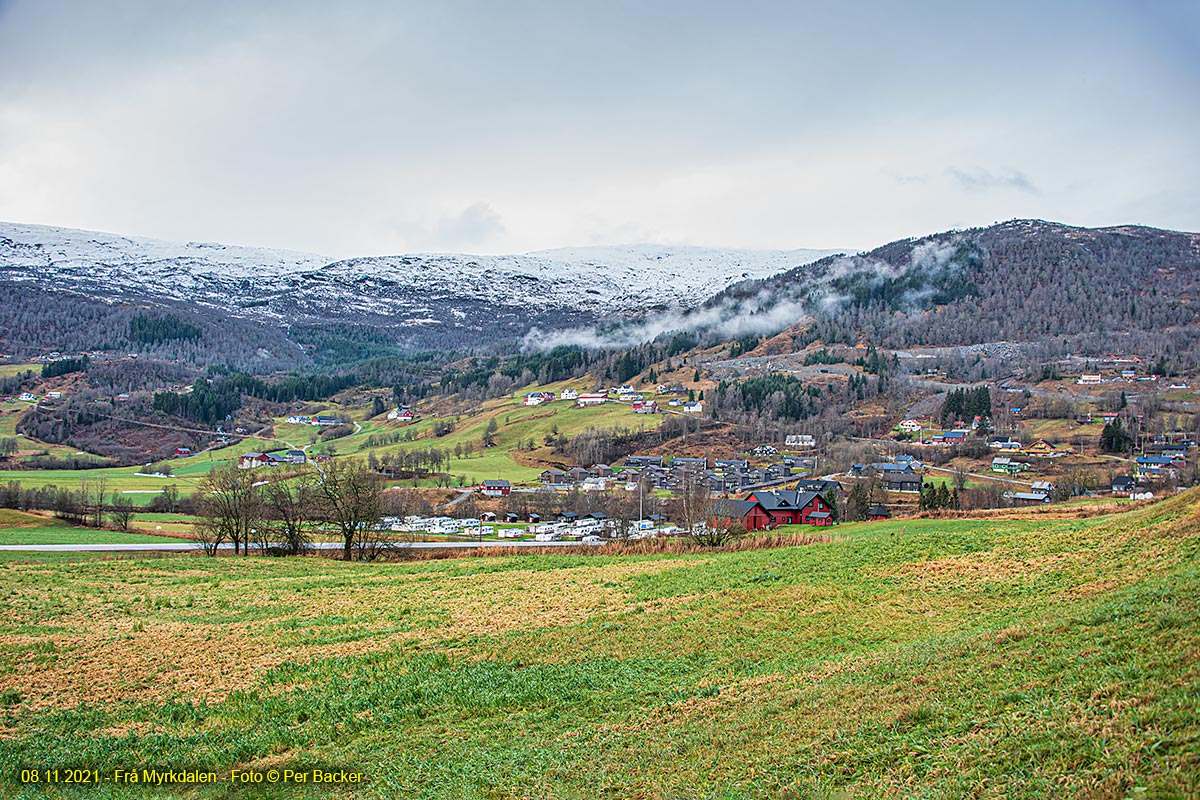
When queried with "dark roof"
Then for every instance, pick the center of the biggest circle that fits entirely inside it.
(878, 511)
(819, 515)
(785, 499)
(733, 509)
(817, 485)
(497, 484)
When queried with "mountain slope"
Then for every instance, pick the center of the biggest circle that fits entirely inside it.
(423, 301)
(1021, 280)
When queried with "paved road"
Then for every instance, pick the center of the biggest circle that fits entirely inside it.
(176, 547)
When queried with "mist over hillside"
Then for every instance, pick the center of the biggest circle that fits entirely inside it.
(1022, 280)
(266, 310)
(334, 309)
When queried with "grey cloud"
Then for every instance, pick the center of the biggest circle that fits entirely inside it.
(978, 179)
(476, 224)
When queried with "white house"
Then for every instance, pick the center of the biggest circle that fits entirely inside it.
(569, 394)
(800, 440)
(1088, 379)
(693, 407)
(591, 399)
(910, 426)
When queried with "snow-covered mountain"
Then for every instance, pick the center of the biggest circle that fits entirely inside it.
(496, 297)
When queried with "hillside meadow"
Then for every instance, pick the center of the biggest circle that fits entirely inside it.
(914, 658)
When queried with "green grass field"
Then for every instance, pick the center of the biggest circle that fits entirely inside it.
(17, 527)
(517, 424)
(913, 658)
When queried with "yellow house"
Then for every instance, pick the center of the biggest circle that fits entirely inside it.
(1044, 449)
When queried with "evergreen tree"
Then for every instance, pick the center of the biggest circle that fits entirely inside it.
(857, 503)
(830, 499)
(1114, 438)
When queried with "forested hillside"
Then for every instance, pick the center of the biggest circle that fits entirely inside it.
(1021, 280)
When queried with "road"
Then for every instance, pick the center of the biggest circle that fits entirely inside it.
(183, 547)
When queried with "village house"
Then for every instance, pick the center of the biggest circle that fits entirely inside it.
(402, 414)
(645, 407)
(570, 394)
(252, 460)
(1155, 467)
(182, 452)
(537, 398)
(1124, 484)
(1043, 449)
(902, 482)
(326, 422)
(495, 488)
(820, 486)
(553, 477)
(1007, 466)
(294, 457)
(877, 512)
(643, 461)
(591, 399)
(1089, 379)
(910, 426)
(1030, 498)
(693, 407)
(627, 475)
(800, 440)
(764, 510)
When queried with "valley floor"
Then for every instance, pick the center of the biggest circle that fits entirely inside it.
(929, 658)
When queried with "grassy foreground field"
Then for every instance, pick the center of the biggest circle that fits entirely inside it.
(955, 658)
(17, 527)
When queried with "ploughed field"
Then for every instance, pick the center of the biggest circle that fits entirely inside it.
(931, 658)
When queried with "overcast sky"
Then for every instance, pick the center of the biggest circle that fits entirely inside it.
(359, 128)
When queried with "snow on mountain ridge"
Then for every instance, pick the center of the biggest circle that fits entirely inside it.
(493, 295)
(42, 245)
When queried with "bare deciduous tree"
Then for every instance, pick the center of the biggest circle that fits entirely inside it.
(122, 511)
(288, 506)
(229, 507)
(348, 497)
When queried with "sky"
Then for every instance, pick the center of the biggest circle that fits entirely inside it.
(369, 128)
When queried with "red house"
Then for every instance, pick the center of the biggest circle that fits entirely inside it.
(766, 510)
(793, 507)
(877, 512)
(497, 488)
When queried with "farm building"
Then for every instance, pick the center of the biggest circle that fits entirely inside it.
(495, 488)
